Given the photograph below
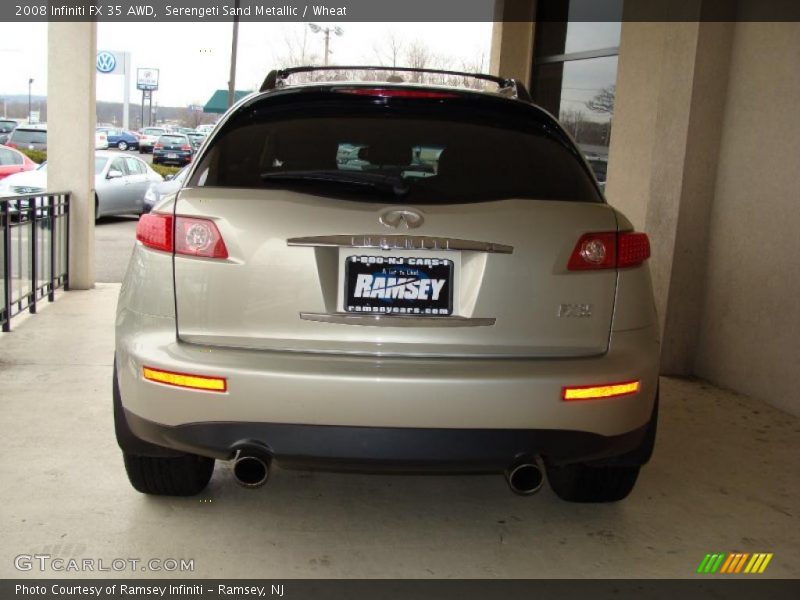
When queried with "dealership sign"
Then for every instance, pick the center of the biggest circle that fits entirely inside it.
(147, 79)
(110, 63)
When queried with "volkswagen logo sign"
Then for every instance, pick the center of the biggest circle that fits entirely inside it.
(401, 218)
(106, 62)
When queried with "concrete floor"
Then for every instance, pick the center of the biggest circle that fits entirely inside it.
(724, 478)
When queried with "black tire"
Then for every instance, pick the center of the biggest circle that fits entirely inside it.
(584, 483)
(122, 145)
(156, 161)
(169, 476)
(141, 151)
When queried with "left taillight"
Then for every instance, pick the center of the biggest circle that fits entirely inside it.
(609, 250)
(192, 236)
(155, 231)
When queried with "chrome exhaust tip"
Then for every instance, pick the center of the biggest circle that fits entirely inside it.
(525, 478)
(251, 471)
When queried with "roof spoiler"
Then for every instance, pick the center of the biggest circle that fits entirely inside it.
(277, 78)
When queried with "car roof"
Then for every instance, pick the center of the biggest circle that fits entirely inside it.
(32, 127)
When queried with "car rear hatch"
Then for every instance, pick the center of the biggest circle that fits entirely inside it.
(430, 224)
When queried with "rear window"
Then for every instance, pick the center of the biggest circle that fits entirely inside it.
(173, 139)
(153, 131)
(419, 154)
(6, 126)
(29, 136)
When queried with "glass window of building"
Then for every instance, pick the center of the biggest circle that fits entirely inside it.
(575, 72)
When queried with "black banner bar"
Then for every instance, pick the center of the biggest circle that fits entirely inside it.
(170, 11)
(734, 588)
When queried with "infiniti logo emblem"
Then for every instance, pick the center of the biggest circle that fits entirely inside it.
(401, 218)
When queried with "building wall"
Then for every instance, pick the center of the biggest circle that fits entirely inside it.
(749, 333)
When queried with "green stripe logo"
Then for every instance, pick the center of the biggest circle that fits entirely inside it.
(734, 563)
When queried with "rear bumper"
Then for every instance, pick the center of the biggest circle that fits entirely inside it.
(299, 405)
(385, 448)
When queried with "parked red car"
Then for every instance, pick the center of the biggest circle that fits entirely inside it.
(13, 161)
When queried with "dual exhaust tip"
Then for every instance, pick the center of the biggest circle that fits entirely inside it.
(251, 471)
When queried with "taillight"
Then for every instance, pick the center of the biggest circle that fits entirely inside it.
(395, 93)
(609, 250)
(193, 237)
(155, 231)
(11, 144)
(199, 237)
(158, 146)
(632, 249)
(186, 148)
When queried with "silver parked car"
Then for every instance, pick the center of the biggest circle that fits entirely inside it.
(120, 183)
(464, 300)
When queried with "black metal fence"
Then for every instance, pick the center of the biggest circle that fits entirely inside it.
(34, 257)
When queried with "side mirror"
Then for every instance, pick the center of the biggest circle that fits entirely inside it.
(114, 174)
(169, 177)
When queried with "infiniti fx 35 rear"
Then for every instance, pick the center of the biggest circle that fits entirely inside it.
(394, 277)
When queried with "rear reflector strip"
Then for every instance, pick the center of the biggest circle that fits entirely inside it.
(186, 380)
(594, 392)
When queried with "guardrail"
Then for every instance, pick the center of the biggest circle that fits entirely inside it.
(34, 257)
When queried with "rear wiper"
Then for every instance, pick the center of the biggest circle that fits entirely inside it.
(376, 181)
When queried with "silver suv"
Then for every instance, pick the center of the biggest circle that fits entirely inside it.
(394, 276)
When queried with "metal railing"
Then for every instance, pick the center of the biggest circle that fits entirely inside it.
(34, 256)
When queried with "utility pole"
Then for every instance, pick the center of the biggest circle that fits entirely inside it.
(234, 44)
(326, 31)
(30, 82)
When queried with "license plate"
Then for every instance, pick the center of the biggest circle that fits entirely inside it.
(172, 155)
(399, 285)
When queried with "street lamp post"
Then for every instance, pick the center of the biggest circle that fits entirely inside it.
(326, 31)
(30, 83)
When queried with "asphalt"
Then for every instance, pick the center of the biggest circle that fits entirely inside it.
(724, 478)
(114, 238)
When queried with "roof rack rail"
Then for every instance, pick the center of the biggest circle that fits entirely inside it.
(277, 78)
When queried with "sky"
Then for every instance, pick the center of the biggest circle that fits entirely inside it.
(194, 58)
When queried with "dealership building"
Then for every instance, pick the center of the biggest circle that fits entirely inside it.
(695, 125)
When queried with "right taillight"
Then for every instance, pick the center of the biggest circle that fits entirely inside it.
(609, 250)
(193, 236)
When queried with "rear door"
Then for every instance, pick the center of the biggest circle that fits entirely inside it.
(420, 226)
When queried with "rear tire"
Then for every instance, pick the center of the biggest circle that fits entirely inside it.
(169, 476)
(584, 483)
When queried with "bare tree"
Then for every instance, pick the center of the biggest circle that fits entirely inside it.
(297, 49)
(418, 56)
(603, 101)
(389, 51)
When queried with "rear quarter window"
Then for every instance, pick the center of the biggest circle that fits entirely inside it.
(436, 153)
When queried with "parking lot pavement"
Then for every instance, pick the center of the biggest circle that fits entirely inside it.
(721, 480)
(114, 238)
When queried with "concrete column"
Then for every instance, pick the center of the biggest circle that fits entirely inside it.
(71, 55)
(671, 88)
(512, 41)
